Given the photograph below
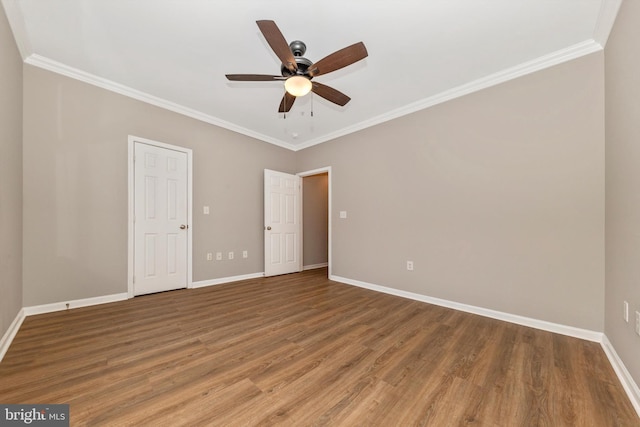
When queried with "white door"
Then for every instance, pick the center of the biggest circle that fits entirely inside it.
(160, 219)
(282, 223)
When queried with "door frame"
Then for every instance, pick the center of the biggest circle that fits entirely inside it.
(320, 171)
(132, 140)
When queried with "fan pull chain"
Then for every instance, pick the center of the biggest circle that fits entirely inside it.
(311, 104)
(284, 105)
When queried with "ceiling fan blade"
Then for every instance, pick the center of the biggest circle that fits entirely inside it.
(330, 94)
(286, 103)
(339, 59)
(253, 77)
(276, 40)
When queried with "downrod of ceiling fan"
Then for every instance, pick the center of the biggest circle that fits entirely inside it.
(298, 48)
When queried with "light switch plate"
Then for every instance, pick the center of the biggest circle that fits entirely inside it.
(625, 311)
(343, 214)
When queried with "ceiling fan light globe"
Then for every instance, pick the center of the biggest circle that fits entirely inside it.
(298, 85)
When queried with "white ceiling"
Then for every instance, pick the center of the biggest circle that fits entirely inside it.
(175, 53)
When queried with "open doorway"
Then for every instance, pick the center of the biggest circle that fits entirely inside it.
(316, 214)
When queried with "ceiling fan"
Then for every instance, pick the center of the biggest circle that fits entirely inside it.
(297, 72)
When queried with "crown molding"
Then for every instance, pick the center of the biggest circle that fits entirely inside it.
(74, 73)
(604, 24)
(546, 61)
(606, 18)
(16, 22)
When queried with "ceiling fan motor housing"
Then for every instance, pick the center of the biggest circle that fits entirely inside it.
(298, 49)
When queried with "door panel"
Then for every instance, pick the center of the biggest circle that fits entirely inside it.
(160, 209)
(283, 223)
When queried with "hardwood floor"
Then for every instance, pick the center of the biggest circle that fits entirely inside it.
(301, 350)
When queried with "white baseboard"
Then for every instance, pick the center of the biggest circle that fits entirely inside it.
(8, 336)
(621, 371)
(85, 302)
(314, 266)
(623, 374)
(629, 385)
(571, 331)
(213, 282)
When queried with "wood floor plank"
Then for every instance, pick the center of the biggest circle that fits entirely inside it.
(301, 350)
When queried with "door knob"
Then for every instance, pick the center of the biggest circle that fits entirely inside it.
(269, 228)
(182, 227)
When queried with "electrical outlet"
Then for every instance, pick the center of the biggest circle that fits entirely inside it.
(205, 210)
(209, 256)
(245, 254)
(410, 265)
(218, 256)
(638, 322)
(230, 255)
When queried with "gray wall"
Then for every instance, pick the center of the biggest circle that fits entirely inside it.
(75, 188)
(315, 214)
(10, 176)
(497, 198)
(622, 184)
